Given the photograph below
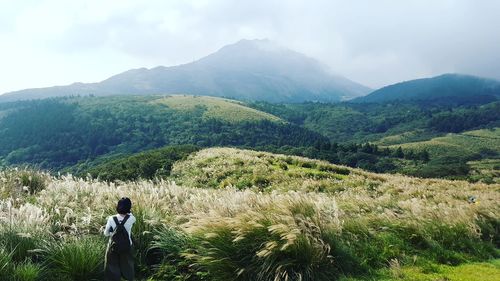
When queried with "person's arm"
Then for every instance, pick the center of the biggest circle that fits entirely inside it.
(108, 230)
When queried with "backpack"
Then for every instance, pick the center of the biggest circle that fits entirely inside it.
(120, 241)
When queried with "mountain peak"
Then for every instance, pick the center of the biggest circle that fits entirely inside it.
(257, 69)
(253, 43)
(252, 49)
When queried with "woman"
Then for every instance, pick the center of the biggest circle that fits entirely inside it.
(120, 263)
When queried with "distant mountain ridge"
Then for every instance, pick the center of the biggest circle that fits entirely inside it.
(446, 86)
(246, 70)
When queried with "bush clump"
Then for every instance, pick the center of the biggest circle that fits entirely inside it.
(283, 243)
(20, 243)
(27, 271)
(75, 259)
(169, 248)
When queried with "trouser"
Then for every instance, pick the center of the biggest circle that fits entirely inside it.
(119, 265)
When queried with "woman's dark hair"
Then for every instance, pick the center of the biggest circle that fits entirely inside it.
(124, 205)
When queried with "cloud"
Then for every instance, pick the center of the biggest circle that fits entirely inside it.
(50, 42)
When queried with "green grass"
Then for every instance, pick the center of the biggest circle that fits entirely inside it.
(451, 156)
(151, 164)
(217, 108)
(487, 170)
(75, 259)
(19, 242)
(27, 271)
(406, 137)
(298, 219)
(471, 144)
(269, 246)
(6, 264)
(486, 133)
(219, 168)
(479, 271)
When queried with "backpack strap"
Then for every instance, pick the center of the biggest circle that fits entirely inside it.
(123, 221)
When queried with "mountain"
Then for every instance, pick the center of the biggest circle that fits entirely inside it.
(246, 70)
(447, 87)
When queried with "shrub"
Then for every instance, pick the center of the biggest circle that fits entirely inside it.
(75, 259)
(151, 164)
(34, 181)
(27, 271)
(260, 181)
(142, 235)
(168, 247)
(20, 243)
(455, 244)
(19, 181)
(365, 244)
(282, 244)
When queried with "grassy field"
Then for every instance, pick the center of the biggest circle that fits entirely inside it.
(242, 169)
(471, 155)
(218, 108)
(479, 271)
(292, 218)
(485, 168)
(463, 145)
(406, 137)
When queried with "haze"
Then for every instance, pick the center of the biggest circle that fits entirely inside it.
(376, 43)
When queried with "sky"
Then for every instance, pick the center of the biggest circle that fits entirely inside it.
(376, 43)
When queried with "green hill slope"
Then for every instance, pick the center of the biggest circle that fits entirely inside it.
(352, 122)
(468, 145)
(80, 132)
(216, 108)
(473, 154)
(150, 164)
(448, 88)
(223, 167)
(60, 132)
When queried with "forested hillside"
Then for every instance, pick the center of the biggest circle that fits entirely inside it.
(414, 128)
(60, 133)
(352, 122)
(56, 133)
(91, 134)
(444, 88)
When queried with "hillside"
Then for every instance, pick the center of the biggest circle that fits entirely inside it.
(469, 145)
(217, 108)
(226, 167)
(447, 88)
(74, 134)
(406, 124)
(296, 217)
(472, 153)
(151, 164)
(246, 70)
(411, 121)
(61, 132)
